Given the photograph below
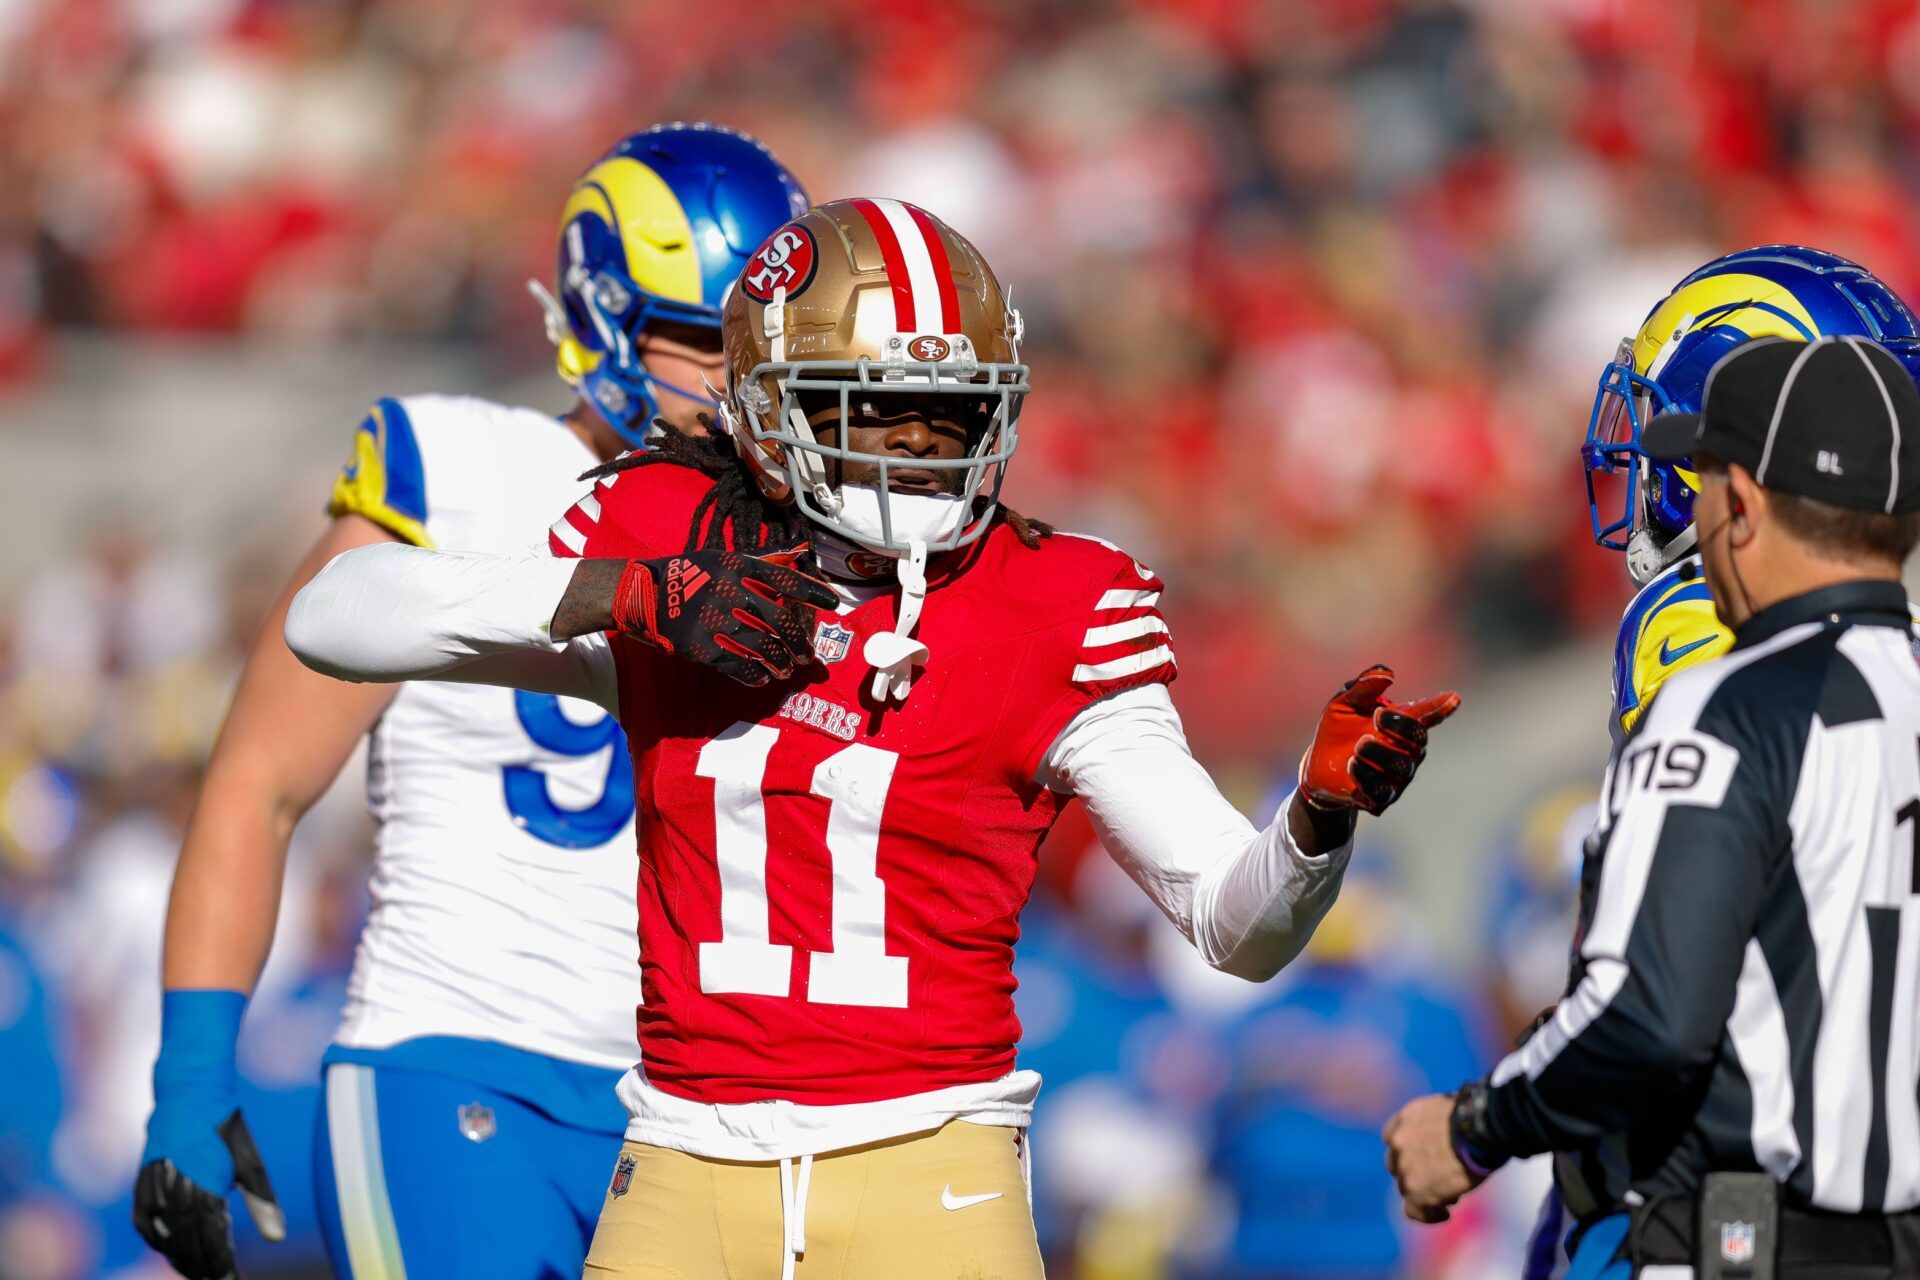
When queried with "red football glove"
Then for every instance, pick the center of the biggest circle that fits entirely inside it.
(749, 617)
(1366, 749)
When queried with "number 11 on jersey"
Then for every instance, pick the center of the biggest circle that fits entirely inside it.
(746, 961)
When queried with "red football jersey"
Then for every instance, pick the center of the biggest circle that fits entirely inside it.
(830, 889)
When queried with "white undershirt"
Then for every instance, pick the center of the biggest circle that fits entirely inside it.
(1248, 900)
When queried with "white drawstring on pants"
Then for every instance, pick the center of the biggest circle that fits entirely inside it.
(793, 1213)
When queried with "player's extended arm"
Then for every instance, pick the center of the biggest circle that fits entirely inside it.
(1248, 900)
(286, 736)
(390, 613)
(403, 613)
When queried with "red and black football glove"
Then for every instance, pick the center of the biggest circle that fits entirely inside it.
(1367, 749)
(748, 617)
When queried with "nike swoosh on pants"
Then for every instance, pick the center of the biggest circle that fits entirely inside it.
(950, 1201)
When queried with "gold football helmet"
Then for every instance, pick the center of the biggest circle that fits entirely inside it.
(853, 301)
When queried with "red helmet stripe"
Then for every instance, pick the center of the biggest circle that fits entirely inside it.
(942, 270)
(893, 262)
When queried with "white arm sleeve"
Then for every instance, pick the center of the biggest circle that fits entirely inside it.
(1248, 900)
(391, 612)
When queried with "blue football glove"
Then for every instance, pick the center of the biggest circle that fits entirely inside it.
(198, 1147)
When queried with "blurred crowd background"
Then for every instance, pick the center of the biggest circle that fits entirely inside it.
(1316, 290)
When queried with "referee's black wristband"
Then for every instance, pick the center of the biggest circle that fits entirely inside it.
(1467, 1127)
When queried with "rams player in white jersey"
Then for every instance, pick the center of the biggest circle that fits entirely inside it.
(1644, 507)
(470, 1114)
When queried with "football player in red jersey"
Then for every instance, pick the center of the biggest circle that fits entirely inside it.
(858, 692)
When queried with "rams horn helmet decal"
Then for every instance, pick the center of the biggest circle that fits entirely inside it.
(1782, 291)
(655, 233)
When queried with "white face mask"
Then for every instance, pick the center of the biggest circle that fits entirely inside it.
(916, 517)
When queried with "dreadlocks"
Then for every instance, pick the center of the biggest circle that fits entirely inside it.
(1028, 530)
(735, 504)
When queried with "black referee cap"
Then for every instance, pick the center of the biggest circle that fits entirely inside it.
(1836, 420)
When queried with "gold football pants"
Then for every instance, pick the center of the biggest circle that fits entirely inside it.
(947, 1205)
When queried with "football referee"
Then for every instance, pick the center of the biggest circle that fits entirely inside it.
(1734, 1078)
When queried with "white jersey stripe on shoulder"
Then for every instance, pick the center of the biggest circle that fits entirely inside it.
(569, 537)
(1131, 629)
(1131, 665)
(366, 1214)
(1128, 599)
(913, 251)
(590, 505)
(1087, 537)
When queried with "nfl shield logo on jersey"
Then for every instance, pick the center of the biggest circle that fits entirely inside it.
(476, 1121)
(1736, 1241)
(622, 1176)
(831, 641)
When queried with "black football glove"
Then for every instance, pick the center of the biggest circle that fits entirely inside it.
(748, 617)
(189, 1224)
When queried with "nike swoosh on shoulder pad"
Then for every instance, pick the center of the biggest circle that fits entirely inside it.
(1670, 655)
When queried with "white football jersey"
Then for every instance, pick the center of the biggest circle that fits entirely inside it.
(504, 880)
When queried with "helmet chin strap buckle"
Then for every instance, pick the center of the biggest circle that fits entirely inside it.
(1642, 557)
(1645, 557)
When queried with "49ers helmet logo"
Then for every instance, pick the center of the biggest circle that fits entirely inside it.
(787, 258)
(929, 348)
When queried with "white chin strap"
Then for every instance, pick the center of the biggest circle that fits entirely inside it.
(915, 519)
(894, 654)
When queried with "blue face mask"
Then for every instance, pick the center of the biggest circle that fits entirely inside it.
(1654, 499)
(620, 313)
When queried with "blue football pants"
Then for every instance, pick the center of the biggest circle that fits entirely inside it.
(425, 1176)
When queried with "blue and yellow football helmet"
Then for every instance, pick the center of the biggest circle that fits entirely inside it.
(652, 235)
(1782, 290)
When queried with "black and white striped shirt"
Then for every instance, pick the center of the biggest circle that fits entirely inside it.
(1747, 979)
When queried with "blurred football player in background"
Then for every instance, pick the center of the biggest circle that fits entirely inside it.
(470, 1113)
(1643, 506)
(839, 838)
